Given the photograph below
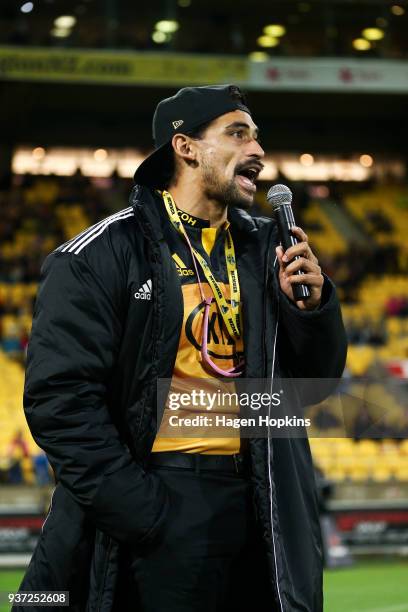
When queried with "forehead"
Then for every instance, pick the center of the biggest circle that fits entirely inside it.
(237, 116)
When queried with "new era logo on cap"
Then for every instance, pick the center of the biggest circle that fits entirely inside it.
(177, 124)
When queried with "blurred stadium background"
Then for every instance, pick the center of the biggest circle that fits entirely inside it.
(328, 85)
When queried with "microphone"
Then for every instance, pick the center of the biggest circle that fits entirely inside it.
(280, 198)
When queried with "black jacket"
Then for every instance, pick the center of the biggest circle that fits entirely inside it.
(94, 357)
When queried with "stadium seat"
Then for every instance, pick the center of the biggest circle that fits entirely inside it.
(359, 473)
(401, 473)
(367, 448)
(381, 473)
(336, 473)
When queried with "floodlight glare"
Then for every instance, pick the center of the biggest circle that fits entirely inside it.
(267, 41)
(168, 26)
(373, 33)
(361, 44)
(275, 30)
(258, 56)
(65, 21)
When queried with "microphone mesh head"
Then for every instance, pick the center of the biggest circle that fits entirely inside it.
(279, 194)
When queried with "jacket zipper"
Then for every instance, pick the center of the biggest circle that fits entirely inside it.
(49, 509)
(269, 416)
(105, 571)
(155, 258)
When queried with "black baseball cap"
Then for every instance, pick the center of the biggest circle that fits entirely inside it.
(189, 108)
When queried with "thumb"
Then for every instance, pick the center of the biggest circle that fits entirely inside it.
(279, 253)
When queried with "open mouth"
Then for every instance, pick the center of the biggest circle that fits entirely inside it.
(247, 176)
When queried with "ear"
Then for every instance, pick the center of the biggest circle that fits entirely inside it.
(184, 147)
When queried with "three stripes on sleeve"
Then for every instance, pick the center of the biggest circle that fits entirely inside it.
(79, 242)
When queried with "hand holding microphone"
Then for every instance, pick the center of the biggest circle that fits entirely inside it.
(300, 275)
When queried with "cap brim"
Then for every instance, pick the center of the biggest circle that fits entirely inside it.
(152, 169)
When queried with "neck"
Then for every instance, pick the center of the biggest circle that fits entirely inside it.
(194, 202)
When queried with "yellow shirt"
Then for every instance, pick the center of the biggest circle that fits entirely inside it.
(222, 350)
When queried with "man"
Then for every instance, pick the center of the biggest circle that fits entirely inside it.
(180, 284)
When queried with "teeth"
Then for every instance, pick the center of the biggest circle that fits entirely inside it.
(251, 173)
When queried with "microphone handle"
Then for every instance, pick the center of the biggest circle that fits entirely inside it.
(286, 221)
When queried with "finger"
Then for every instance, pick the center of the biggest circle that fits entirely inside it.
(310, 279)
(300, 234)
(299, 249)
(304, 264)
(279, 254)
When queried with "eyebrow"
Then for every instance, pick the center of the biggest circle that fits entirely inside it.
(239, 124)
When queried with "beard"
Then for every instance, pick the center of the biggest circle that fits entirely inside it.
(227, 193)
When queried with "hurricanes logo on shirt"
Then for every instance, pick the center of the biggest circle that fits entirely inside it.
(182, 269)
(220, 344)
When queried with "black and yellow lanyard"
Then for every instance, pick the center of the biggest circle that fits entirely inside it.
(230, 314)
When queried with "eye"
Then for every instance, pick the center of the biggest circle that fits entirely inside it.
(237, 133)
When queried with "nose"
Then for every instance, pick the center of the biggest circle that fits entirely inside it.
(255, 149)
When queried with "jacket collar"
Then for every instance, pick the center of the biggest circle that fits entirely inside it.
(243, 221)
(144, 202)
